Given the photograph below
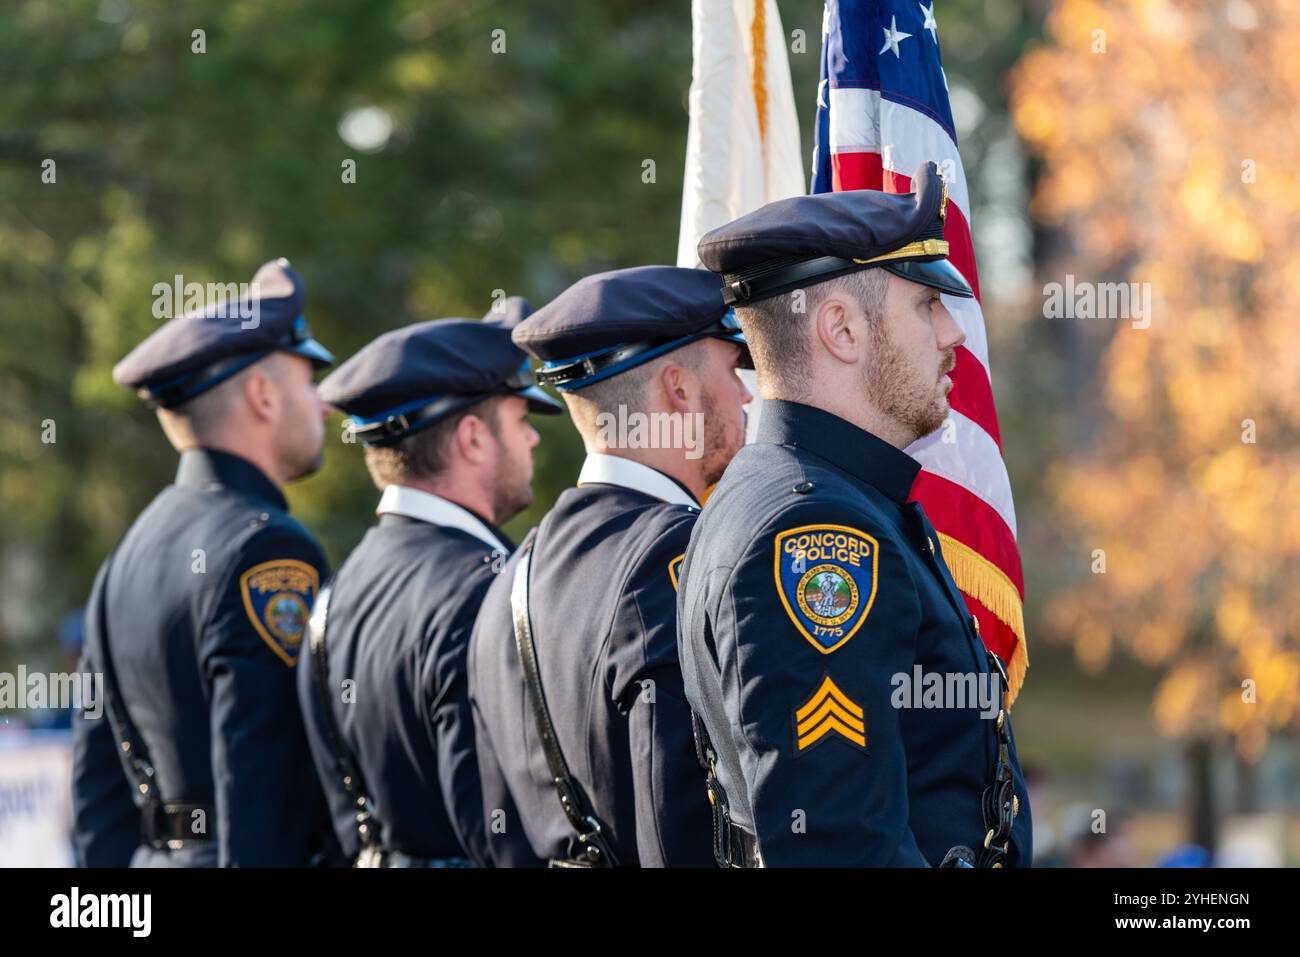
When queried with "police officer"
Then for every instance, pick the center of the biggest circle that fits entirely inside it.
(573, 666)
(197, 618)
(814, 595)
(442, 409)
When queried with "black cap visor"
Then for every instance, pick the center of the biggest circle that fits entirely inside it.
(785, 275)
(940, 274)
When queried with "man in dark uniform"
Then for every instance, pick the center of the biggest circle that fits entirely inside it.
(814, 594)
(578, 683)
(197, 618)
(442, 408)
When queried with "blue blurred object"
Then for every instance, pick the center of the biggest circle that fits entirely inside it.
(72, 631)
(1187, 855)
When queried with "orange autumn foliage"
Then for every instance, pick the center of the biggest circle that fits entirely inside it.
(1169, 134)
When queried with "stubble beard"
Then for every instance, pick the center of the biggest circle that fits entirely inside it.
(720, 445)
(918, 408)
(512, 495)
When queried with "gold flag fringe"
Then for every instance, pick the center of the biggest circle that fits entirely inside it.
(989, 585)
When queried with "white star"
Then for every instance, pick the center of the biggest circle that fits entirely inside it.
(930, 23)
(892, 36)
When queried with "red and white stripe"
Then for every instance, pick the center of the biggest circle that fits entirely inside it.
(964, 487)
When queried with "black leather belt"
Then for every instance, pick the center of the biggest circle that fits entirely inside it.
(172, 826)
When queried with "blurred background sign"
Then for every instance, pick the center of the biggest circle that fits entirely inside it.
(35, 798)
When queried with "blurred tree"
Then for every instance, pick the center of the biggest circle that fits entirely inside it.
(497, 147)
(1167, 134)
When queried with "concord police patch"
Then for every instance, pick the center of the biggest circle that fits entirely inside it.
(278, 598)
(826, 577)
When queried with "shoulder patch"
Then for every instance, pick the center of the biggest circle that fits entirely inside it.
(674, 567)
(829, 711)
(826, 577)
(277, 597)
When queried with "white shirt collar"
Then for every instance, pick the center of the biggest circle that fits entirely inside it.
(436, 510)
(615, 470)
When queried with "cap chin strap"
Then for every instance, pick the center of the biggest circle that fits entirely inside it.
(598, 366)
(394, 424)
(177, 392)
(180, 390)
(391, 426)
(786, 275)
(567, 375)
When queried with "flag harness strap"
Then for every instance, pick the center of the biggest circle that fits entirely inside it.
(594, 848)
(349, 771)
(164, 825)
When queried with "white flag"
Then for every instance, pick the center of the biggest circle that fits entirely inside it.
(743, 149)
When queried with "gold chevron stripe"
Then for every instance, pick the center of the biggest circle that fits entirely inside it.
(832, 724)
(829, 707)
(828, 687)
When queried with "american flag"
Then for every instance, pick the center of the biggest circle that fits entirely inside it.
(883, 110)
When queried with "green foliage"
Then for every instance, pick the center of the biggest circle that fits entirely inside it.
(518, 171)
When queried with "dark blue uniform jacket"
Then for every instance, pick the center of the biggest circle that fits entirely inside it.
(400, 614)
(812, 592)
(203, 608)
(603, 607)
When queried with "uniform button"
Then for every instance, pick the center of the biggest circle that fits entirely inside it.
(975, 623)
(930, 541)
(803, 488)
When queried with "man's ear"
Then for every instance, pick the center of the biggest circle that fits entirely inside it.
(681, 383)
(835, 330)
(472, 439)
(260, 394)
